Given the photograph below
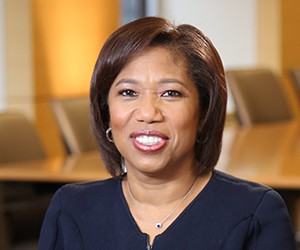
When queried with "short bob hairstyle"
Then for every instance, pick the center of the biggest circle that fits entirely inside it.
(203, 65)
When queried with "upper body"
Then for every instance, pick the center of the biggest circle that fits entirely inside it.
(228, 214)
(158, 106)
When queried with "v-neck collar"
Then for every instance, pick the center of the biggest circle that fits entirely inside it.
(177, 220)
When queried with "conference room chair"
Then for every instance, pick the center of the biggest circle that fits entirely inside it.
(258, 95)
(22, 204)
(18, 139)
(295, 77)
(73, 118)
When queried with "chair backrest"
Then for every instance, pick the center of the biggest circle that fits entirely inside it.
(18, 139)
(259, 96)
(73, 119)
(295, 76)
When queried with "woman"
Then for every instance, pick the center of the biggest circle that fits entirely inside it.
(158, 102)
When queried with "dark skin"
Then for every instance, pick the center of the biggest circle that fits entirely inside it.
(156, 142)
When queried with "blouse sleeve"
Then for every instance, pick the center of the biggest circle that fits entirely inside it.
(49, 236)
(272, 224)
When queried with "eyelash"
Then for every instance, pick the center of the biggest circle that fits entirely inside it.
(172, 93)
(127, 92)
(167, 93)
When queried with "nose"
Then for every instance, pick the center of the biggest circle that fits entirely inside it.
(149, 110)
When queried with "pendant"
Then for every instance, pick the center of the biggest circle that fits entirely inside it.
(158, 225)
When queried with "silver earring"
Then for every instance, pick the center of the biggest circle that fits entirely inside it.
(109, 135)
(124, 169)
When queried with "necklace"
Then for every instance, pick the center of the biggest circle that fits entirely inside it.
(160, 224)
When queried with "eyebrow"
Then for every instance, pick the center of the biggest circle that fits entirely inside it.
(171, 80)
(161, 81)
(126, 80)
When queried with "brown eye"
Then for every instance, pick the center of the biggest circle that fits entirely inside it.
(172, 93)
(128, 93)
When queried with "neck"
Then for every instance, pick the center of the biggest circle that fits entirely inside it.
(157, 192)
(155, 204)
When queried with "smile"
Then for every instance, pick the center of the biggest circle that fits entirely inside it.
(148, 141)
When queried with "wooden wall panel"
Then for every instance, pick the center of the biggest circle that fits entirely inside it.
(67, 37)
(290, 45)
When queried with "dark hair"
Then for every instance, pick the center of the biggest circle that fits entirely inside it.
(204, 67)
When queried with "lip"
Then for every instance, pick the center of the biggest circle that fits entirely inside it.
(149, 148)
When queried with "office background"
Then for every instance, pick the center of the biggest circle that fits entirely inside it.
(48, 47)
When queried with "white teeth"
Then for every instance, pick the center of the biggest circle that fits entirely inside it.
(148, 140)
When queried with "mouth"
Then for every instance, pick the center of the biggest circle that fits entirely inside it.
(148, 141)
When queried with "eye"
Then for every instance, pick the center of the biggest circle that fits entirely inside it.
(127, 93)
(172, 93)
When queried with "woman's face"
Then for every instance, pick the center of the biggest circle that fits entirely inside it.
(154, 114)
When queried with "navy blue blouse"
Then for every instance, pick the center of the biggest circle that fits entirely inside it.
(229, 214)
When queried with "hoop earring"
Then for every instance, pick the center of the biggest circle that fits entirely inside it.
(124, 169)
(109, 135)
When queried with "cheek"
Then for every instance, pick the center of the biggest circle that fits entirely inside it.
(118, 117)
(188, 122)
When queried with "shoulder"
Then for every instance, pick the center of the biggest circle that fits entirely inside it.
(255, 212)
(106, 185)
(74, 209)
(244, 195)
(239, 186)
(87, 193)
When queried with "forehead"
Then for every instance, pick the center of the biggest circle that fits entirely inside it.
(156, 66)
(157, 55)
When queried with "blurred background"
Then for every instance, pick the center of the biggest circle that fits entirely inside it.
(48, 49)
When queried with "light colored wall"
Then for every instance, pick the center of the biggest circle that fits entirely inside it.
(16, 78)
(152, 7)
(230, 24)
(269, 34)
(2, 59)
(18, 56)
